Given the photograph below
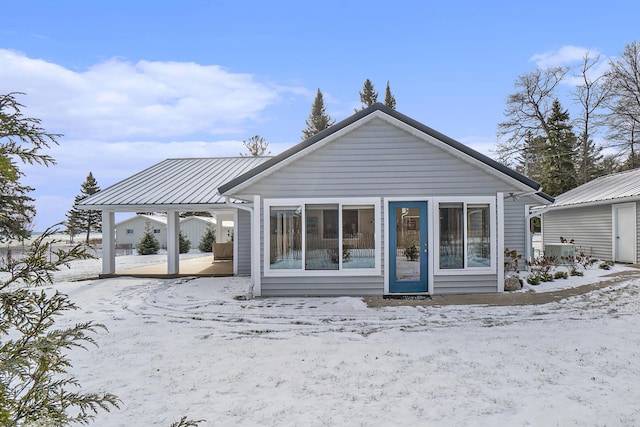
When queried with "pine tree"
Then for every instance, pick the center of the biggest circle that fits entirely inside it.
(148, 245)
(318, 120)
(558, 170)
(36, 387)
(389, 99)
(80, 220)
(207, 240)
(368, 96)
(184, 244)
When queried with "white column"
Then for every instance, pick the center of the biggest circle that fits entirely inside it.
(108, 243)
(256, 243)
(235, 241)
(173, 246)
(500, 238)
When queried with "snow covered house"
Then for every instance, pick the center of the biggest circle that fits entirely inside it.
(377, 204)
(601, 217)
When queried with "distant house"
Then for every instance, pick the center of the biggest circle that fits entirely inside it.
(131, 230)
(377, 204)
(601, 217)
(194, 227)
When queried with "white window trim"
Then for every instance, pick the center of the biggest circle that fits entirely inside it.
(493, 238)
(269, 203)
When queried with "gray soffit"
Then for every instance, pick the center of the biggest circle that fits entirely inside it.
(401, 117)
(188, 183)
(616, 187)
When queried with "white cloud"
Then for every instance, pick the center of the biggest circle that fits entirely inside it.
(116, 99)
(572, 56)
(566, 55)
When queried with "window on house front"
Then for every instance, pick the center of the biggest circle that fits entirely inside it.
(358, 237)
(465, 235)
(285, 238)
(156, 231)
(129, 231)
(321, 236)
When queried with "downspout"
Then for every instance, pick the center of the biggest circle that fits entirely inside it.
(227, 201)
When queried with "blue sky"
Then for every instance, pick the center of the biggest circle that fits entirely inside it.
(130, 83)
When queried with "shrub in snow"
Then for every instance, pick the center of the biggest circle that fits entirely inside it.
(148, 245)
(184, 244)
(207, 240)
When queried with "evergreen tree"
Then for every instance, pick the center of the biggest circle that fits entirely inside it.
(558, 170)
(318, 120)
(80, 220)
(148, 244)
(184, 244)
(256, 146)
(368, 96)
(35, 385)
(389, 99)
(207, 240)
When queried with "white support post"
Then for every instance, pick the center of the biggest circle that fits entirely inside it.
(236, 238)
(256, 243)
(108, 242)
(173, 246)
(500, 236)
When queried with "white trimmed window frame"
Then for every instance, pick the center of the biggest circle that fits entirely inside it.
(493, 235)
(301, 272)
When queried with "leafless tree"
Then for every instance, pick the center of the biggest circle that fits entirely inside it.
(591, 94)
(527, 110)
(624, 117)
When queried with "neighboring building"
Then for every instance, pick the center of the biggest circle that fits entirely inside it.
(377, 204)
(601, 217)
(131, 230)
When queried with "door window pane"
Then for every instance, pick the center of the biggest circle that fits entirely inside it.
(286, 238)
(407, 244)
(358, 237)
(451, 235)
(478, 236)
(321, 236)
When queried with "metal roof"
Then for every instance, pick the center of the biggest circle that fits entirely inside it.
(622, 185)
(282, 157)
(189, 183)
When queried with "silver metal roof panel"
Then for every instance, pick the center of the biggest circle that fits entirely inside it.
(188, 182)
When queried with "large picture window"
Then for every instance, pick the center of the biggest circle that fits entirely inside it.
(322, 237)
(465, 235)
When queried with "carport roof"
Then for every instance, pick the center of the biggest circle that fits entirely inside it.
(187, 184)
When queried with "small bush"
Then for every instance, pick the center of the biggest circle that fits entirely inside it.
(606, 265)
(575, 272)
(184, 244)
(546, 277)
(207, 240)
(533, 280)
(148, 245)
(560, 275)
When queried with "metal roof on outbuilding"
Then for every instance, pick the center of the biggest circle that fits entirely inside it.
(186, 183)
(616, 187)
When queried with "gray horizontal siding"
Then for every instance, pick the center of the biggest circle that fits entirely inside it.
(381, 160)
(243, 240)
(465, 284)
(322, 286)
(589, 227)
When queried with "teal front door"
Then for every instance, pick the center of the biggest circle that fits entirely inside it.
(408, 247)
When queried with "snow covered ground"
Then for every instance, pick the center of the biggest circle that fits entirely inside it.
(187, 347)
